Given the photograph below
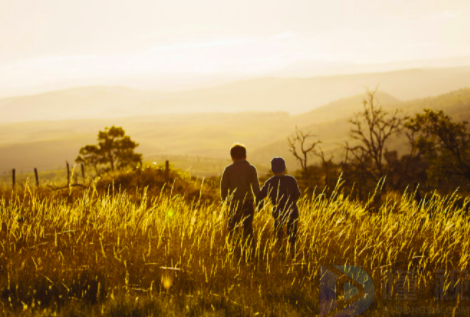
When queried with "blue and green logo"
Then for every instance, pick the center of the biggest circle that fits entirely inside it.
(345, 291)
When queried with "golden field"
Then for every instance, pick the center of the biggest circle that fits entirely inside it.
(153, 251)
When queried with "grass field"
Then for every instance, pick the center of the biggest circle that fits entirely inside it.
(158, 252)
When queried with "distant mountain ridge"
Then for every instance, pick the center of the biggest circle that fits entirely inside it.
(309, 68)
(344, 107)
(293, 95)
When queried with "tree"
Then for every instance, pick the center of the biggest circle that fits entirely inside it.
(301, 147)
(372, 129)
(89, 155)
(114, 151)
(445, 143)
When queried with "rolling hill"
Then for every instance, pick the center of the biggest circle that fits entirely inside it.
(293, 95)
(334, 132)
(193, 137)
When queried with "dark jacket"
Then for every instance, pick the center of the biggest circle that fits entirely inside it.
(283, 192)
(240, 178)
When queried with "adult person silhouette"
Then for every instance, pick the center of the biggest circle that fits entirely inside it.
(240, 187)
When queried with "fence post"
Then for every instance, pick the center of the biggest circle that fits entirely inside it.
(83, 172)
(167, 171)
(13, 177)
(68, 173)
(37, 177)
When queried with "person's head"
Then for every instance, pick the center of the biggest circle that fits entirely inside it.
(238, 152)
(278, 166)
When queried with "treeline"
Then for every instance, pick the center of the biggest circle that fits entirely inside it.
(428, 151)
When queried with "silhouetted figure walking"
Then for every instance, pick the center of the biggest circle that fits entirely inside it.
(283, 192)
(240, 182)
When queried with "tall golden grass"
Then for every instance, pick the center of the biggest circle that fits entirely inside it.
(129, 253)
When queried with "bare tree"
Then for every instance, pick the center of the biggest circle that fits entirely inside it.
(301, 146)
(373, 128)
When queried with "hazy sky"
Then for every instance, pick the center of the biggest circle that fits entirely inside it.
(44, 42)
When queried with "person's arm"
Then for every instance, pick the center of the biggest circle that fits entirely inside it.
(264, 191)
(224, 185)
(262, 195)
(255, 182)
